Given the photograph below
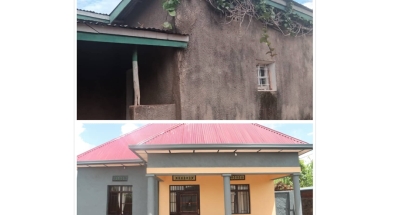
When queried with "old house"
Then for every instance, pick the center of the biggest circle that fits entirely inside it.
(132, 65)
(189, 169)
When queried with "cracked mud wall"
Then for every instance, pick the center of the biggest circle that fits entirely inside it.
(217, 73)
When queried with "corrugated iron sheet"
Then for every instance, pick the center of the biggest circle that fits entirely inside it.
(92, 12)
(222, 134)
(186, 133)
(127, 26)
(117, 149)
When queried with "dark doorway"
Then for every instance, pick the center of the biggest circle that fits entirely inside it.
(101, 74)
(184, 200)
(102, 78)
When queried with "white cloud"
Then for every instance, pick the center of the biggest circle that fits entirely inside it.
(80, 145)
(128, 127)
(310, 134)
(309, 4)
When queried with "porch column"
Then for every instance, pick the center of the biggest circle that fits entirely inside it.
(150, 194)
(227, 193)
(156, 196)
(135, 69)
(297, 196)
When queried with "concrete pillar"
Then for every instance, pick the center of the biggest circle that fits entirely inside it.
(227, 194)
(297, 197)
(150, 194)
(157, 198)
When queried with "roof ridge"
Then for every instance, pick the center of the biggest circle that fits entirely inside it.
(110, 141)
(280, 133)
(163, 132)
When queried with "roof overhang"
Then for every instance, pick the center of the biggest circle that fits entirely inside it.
(112, 34)
(142, 151)
(110, 163)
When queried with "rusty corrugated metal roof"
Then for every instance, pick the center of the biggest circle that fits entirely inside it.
(186, 133)
(92, 12)
(127, 27)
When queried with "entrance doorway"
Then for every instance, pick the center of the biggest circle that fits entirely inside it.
(184, 200)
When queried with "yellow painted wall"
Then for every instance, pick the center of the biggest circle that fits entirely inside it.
(262, 196)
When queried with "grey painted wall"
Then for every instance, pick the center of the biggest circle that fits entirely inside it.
(224, 160)
(217, 72)
(92, 186)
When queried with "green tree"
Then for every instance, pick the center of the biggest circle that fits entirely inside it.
(306, 177)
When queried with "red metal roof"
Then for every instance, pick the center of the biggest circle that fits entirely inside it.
(186, 133)
(222, 134)
(117, 149)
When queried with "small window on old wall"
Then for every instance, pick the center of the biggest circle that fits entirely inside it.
(266, 77)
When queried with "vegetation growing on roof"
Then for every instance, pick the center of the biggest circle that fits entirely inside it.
(286, 21)
(170, 7)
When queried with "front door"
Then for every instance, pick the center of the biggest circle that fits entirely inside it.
(184, 200)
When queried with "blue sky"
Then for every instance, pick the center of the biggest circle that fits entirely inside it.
(106, 6)
(89, 135)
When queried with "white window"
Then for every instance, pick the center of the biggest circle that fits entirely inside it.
(266, 77)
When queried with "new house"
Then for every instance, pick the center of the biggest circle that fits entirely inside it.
(189, 169)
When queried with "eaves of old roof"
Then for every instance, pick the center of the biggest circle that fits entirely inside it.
(96, 31)
(99, 23)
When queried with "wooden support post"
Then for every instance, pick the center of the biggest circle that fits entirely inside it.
(135, 68)
(129, 92)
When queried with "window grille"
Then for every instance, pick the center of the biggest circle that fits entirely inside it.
(240, 199)
(119, 200)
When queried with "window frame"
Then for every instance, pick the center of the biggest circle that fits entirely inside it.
(266, 77)
(178, 190)
(120, 192)
(236, 202)
(269, 76)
